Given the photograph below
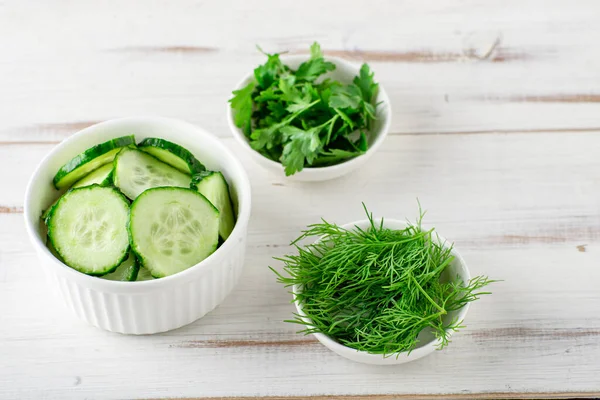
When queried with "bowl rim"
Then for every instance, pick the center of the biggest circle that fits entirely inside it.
(243, 192)
(382, 93)
(418, 352)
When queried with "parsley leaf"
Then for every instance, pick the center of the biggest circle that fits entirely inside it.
(315, 51)
(362, 143)
(301, 145)
(365, 82)
(267, 73)
(345, 97)
(266, 137)
(290, 117)
(315, 67)
(241, 102)
(334, 156)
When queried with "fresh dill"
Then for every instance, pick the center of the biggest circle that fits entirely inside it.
(376, 289)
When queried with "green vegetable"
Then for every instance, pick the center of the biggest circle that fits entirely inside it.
(126, 272)
(377, 289)
(172, 154)
(295, 118)
(91, 159)
(214, 187)
(172, 229)
(88, 229)
(135, 171)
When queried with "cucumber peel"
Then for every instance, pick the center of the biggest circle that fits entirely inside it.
(135, 171)
(127, 271)
(91, 159)
(172, 229)
(88, 229)
(172, 154)
(214, 187)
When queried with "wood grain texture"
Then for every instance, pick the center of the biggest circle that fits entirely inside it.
(496, 130)
(535, 337)
(498, 395)
(451, 66)
(11, 210)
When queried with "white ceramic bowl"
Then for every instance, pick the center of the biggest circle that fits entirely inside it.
(344, 72)
(148, 306)
(427, 342)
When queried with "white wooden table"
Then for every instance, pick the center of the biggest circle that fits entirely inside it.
(496, 130)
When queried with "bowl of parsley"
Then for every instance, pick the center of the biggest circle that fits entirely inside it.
(310, 118)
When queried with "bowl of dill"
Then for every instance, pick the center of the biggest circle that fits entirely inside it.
(379, 292)
(309, 118)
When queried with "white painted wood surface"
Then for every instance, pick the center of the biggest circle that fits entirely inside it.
(496, 130)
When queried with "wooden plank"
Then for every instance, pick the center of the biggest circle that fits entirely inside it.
(450, 67)
(495, 129)
(509, 334)
(459, 166)
(519, 207)
(447, 396)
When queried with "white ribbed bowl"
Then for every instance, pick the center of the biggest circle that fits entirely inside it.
(345, 72)
(457, 269)
(148, 306)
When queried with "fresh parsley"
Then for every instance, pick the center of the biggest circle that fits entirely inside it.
(300, 119)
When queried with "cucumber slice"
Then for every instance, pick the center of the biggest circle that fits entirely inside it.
(89, 160)
(48, 210)
(88, 229)
(52, 249)
(135, 171)
(172, 154)
(100, 176)
(213, 186)
(144, 275)
(172, 229)
(127, 271)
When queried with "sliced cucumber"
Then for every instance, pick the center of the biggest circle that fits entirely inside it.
(172, 229)
(52, 249)
(127, 271)
(135, 171)
(100, 176)
(172, 154)
(88, 229)
(144, 275)
(48, 210)
(213, 186)
(89, 160)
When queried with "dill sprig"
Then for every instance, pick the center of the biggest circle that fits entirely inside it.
(376, 289)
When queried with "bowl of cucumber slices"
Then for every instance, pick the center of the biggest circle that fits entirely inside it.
(140, 223)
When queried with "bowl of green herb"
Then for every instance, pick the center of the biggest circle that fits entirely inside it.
(379, 292)
(309, 118)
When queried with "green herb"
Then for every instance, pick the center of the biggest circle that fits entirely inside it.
(377, 289)
(300, 120)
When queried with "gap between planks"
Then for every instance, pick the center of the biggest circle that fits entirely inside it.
(507, 240)
(495, 53)
(11, 210)
(494, 335)
(40, 129)
(555, 98)
(166, 49)
(449, 396)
